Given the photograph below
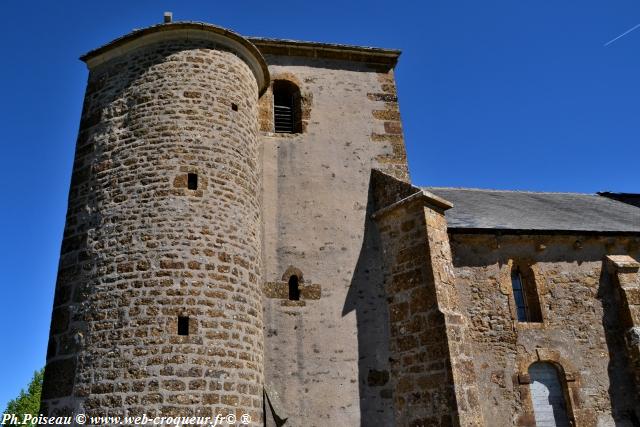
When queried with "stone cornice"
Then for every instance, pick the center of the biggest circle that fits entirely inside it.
(370, 55)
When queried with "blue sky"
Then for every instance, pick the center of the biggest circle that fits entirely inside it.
(496, 94)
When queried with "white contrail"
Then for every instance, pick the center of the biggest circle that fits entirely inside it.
(621, 35)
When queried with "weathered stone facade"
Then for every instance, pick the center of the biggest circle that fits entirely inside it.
(581, 331)
(211, 265)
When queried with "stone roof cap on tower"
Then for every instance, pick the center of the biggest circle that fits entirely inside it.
(523, 212)
(228, 39)
(371, 55)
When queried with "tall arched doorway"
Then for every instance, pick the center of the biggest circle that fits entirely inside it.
(547, 396)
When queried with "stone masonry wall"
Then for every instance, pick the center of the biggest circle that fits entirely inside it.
(141, 249)
(327, 360)
(581, 333)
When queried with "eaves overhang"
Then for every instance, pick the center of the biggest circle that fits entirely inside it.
(294, 48)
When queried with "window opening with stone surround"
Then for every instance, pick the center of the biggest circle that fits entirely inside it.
(183, 325)
(294, 288)
(525, 296)
(192, 181)
(287, 108)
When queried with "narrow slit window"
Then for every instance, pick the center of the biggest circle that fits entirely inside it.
(518, 295)
(192, 181)
(294, 288)
(525, 296)
(183, 325)
(287, 109)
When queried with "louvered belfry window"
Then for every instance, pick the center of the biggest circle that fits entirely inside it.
(283, 115)
(286, 107)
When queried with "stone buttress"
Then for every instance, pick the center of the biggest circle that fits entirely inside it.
(624, 271)
(431, 359)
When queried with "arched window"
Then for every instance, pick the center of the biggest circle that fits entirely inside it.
(294, 288)
(287, 109)
(547, 396)
(525, 296)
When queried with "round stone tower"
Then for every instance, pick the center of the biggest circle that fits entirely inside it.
(158, 307)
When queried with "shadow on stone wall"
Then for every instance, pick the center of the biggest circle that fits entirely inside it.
(620, 379)
(367, 297)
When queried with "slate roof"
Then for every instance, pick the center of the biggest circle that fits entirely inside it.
(495, 210)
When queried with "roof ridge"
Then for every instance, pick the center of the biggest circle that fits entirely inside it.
(509, 191)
